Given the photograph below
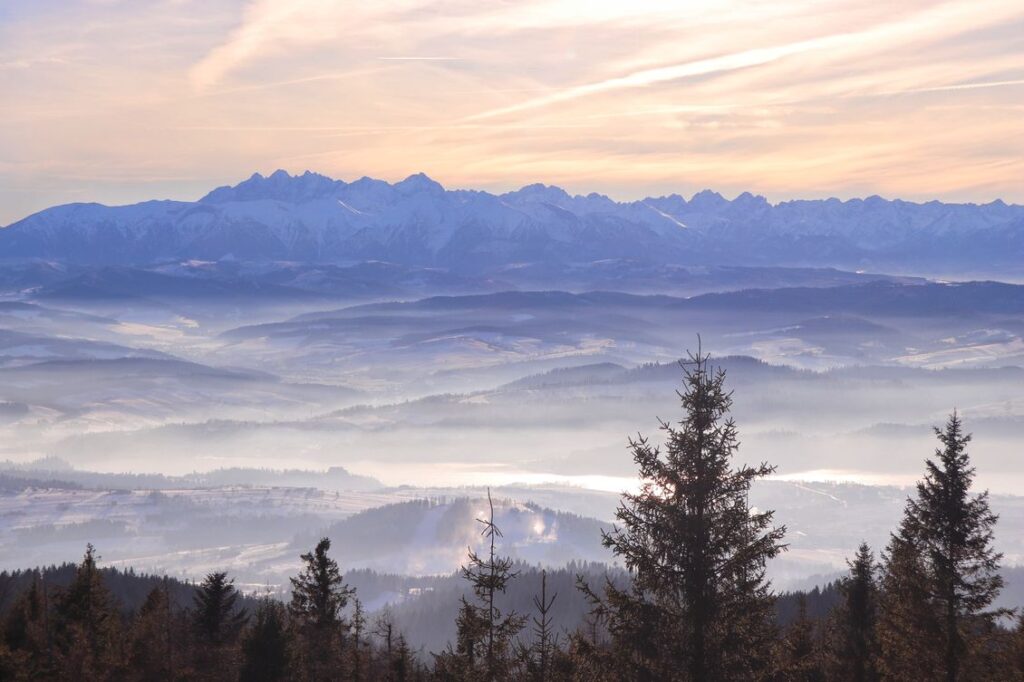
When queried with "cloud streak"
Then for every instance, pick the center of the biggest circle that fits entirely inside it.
(937, 19)
(958, 86)
(420, 59)
(791, 98)
(646, 77)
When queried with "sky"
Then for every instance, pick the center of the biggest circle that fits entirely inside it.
(119, 101)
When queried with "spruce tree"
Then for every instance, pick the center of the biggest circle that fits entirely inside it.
(464, 662)
(27, 635)
(217, 618)
(217, 622)
(800, 659)
(359, 652)
(402, 666)
(150, 655)
(484, 635)
(586, 658)
(954, 531)
(853, 645)
(909, 628)
(545, 641)
(88, 626)
(490, 577)
(319, 594)
(265, 646)
(699, 607)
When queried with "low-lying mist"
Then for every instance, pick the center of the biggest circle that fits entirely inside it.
(280, 420)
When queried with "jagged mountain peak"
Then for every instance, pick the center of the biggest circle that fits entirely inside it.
(417, 183)
(310, 217)
(538, 192)
(278, 186)
(707, 198)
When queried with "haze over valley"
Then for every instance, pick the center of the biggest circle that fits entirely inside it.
(422, 344)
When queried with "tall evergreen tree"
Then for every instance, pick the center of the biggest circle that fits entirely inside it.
(217, 623)
(907, 618)
(545, 641)
(699, 607)
(217, 618)
(853, 645)
(490, 577)
(800, 655)
(402, 667)
(319, 594)
(150, 656)
(359, 652)
(88, 626)
(27, 636)
(954, 531)
(484, 634)
(265, 646)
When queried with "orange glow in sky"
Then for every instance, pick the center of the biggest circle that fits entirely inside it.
(119, 101)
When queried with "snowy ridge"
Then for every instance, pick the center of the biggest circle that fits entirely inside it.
(313, 218)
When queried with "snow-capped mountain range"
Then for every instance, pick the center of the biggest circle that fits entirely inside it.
(315, 219)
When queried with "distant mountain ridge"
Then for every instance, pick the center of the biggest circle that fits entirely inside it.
(311, 218)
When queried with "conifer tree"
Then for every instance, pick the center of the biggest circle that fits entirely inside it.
(265, 646)
(359, 652)
(800, 654)
(150, 640)
(216, 622)
(484, 635)
(490, 577)
(545, 640)
(401, 666)
(464, 662)
(853, 646)
(88, 626)
(27, 636)
(584, 657)
(699, 607)
(906, 615)
(319, 594)
(217, 618)
(953, 530)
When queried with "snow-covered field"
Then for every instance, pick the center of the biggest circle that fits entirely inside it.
(257, 532)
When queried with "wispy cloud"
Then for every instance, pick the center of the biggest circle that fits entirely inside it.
(957, 86)
(789, 98)
(420, 59)
(702, 67)
(928, 22)
(268, 25)
(30, 62)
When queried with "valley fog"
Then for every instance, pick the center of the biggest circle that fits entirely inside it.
(513, 386)
(132, 417)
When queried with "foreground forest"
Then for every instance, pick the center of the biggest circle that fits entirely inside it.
(692, 604)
